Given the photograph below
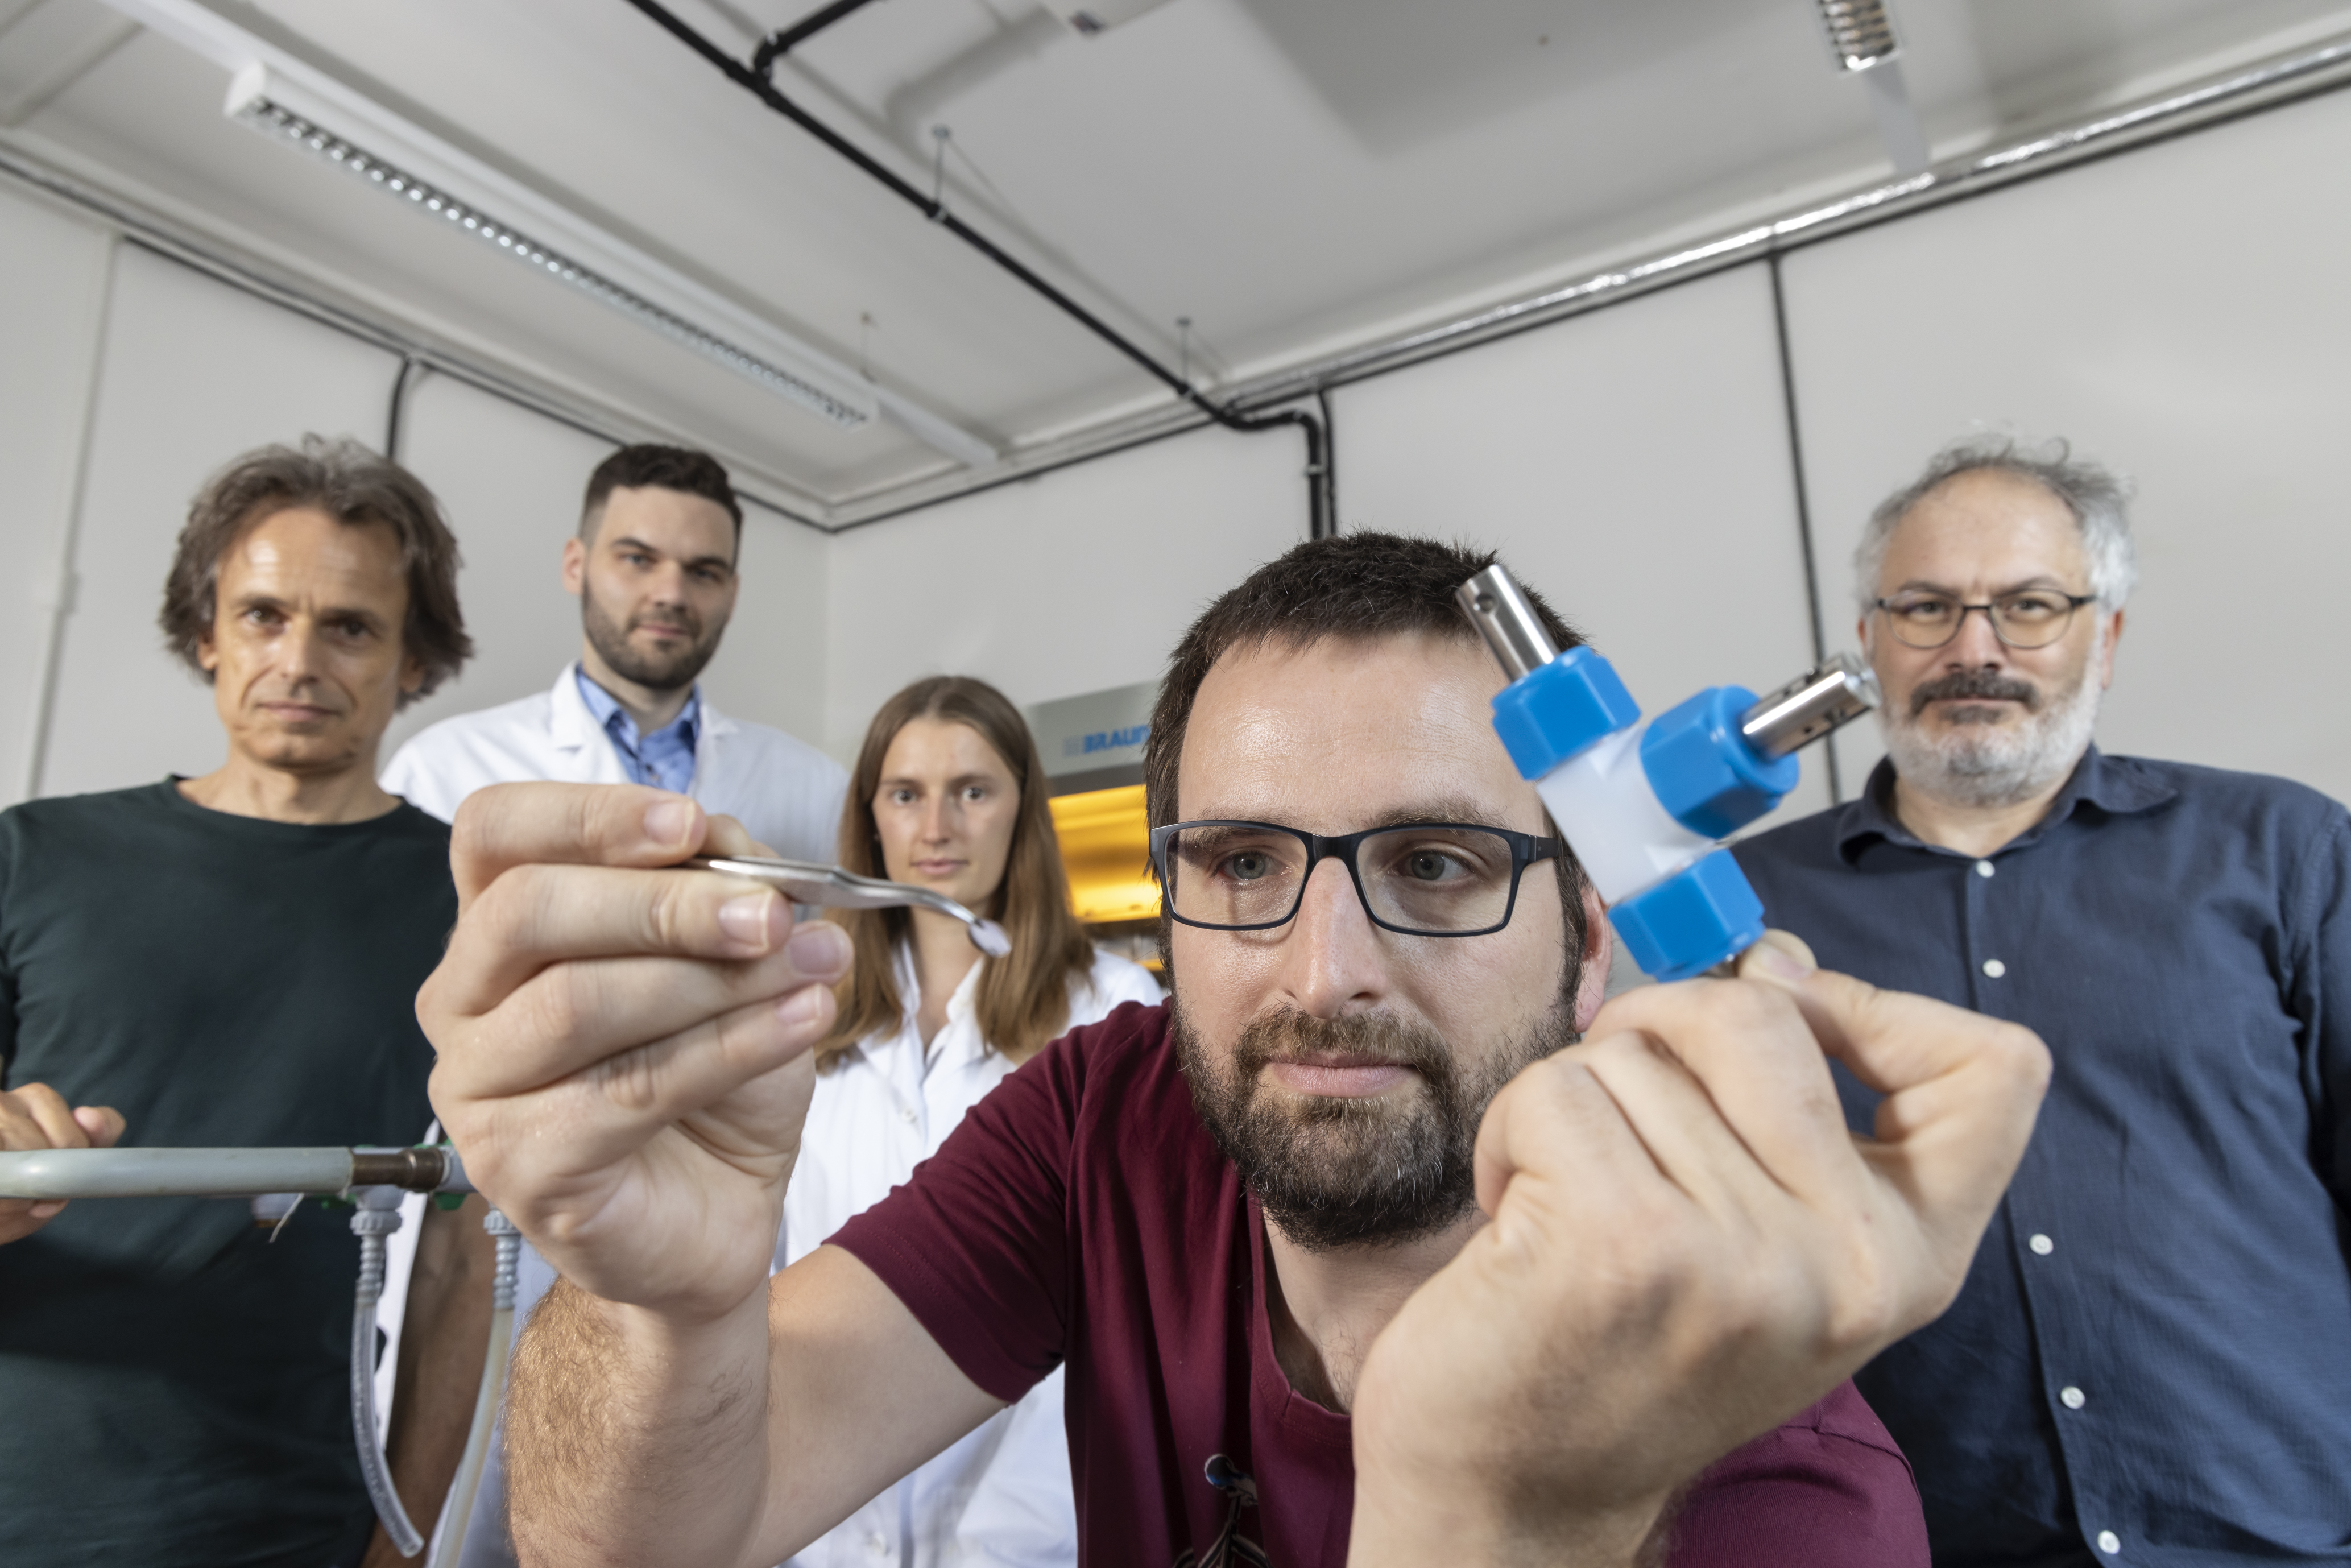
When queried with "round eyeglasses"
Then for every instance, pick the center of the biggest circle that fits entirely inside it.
(2029, 618)
(1418, 879)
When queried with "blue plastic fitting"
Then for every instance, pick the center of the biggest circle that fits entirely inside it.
(1703, 771)
(1564, 707)
(1695, 919)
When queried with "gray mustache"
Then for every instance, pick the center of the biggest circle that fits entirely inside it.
(1974, 684)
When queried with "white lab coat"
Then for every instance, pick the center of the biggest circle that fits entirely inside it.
(785, 791)
(1001, 1494)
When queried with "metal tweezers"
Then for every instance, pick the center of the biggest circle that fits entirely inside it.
(829, 886)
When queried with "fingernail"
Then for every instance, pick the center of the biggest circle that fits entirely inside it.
(819, 949)
(667, 822)
(755, 919)
(1779, 963)
(47, 1210)
(801, 1008)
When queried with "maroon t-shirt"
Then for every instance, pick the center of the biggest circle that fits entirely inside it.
(1082, 1212)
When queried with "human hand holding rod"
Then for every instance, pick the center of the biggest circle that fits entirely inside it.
(1686, 1245)
(38, 1117)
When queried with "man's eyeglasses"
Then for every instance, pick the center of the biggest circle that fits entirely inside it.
(2029, 618)
(1419, 879)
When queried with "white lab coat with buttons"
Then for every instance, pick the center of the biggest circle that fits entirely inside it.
(785, 791)
(1001, 1495)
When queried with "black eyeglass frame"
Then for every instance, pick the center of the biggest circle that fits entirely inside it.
(2074, 602)
(1526, 849)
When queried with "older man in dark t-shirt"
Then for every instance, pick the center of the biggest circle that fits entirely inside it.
(230, 960)
(1354, 1253)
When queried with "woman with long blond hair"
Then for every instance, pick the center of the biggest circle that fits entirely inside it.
(949, 794)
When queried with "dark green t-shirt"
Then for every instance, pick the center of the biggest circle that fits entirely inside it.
(172, 1383)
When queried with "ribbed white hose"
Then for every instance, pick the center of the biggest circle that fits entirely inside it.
(450, 1544)
(373, 1225)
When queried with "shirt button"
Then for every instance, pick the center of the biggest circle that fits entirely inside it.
(2042, 1244)
(1994, 967)
(2109, 1543)
(905, 1113)
(1983, 868)
(876, 1544)
(2072, 1397)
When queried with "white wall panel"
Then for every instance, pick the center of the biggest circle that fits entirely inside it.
(772, 666)
(1071, 582)
(193, 373)
(2178, 313)
(510, 482)
(52, 272)
(1632, 464)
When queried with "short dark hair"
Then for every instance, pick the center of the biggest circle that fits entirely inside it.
(680, 468)
(1352, 587)
(354, 486)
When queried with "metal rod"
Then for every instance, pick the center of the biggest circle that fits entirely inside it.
(47, 1174)
(1808, 707)
(1500, 610)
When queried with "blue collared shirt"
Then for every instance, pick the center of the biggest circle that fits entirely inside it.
(663, 758)
(2150, 1362)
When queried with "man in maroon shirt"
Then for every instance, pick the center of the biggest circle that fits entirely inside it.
(1355, 1254)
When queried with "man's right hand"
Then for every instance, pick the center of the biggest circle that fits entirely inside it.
(623, 1048)
(38, 1117)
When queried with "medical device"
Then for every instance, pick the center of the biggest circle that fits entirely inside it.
(1645, 808)
(814, 882)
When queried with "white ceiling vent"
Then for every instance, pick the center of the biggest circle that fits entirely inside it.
(1087, 17)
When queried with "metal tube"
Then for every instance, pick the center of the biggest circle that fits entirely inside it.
(1500, 610)
(1809, 706)
(171, 1173)
(43, 1174)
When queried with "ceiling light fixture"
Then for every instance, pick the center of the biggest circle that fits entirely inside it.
(1860, 35)
(255, 107)
(269, 82)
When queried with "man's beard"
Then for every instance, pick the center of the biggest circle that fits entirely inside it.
(654, 672)
(1345, 1172)
(1980, 762)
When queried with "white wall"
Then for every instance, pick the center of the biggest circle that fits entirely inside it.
(509, 482)
(1071, 582)
(2179, 313)
(1632, 464)
(53, 271)
(192, 373)
(772, 666)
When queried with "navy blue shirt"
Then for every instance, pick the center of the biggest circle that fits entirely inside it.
(2150, 1360)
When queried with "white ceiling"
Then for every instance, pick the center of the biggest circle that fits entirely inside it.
(1295, 176)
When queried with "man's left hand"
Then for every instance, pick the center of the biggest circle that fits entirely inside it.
(38, 1117)
(1686, 1247)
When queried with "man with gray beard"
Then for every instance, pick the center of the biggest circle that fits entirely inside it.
(2151, 1360)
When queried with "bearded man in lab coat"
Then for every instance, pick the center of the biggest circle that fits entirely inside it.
(653, 565)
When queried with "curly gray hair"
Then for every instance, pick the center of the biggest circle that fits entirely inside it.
(2097, 497)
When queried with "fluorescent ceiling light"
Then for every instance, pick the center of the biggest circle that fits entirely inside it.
(250, 103)
(293, 102)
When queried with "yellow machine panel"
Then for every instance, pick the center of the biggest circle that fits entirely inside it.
(1106, 851)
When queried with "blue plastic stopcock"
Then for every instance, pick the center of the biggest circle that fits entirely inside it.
(1702, 770)
(1698, 917)
(1569, 706)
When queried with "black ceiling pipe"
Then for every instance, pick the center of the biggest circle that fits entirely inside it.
(1322, 518)
(780, 44)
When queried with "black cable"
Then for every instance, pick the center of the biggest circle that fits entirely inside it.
(409, 366)
(1320, 521)
(1804, 503)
